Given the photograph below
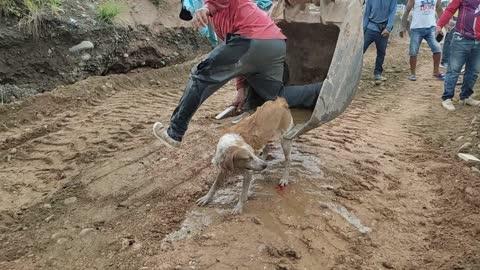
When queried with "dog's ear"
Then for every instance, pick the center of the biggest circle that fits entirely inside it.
(231, 154)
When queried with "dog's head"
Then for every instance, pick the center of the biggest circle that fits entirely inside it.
(233, 154)
(237, 158)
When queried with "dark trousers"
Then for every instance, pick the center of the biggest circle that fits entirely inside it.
(261, 62)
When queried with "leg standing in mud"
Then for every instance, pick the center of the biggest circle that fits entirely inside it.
(254, 49)
(377, 25)
(464, 50)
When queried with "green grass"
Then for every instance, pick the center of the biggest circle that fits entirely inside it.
(36, 13)
(108, 10)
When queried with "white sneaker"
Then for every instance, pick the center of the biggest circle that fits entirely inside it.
(448, 104)
(160, 132)
(470, 101)
(379, 78)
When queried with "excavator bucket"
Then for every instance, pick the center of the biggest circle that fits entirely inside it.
(325, 43)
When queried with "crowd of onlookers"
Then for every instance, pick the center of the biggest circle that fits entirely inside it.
(457, 25)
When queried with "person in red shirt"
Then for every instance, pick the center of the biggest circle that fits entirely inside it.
(253, 51)
(464, 50)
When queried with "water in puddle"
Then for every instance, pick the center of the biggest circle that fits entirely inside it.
(347, 215)
(195, 222)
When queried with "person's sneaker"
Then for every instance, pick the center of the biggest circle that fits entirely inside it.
(412, 77)
(445, 66)
(439, 76)
(379, 78)
(470, 101)
(160, 132)
(448, 104)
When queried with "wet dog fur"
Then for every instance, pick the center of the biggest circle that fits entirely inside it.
(237, 150)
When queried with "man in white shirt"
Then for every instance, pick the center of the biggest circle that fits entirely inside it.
(423, 27)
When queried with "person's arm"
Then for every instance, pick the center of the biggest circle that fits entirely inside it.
(391, 17)
(366, 15)
(239, 100)
(409, 7)
(201, 16)
(448, 14)
(439, 8)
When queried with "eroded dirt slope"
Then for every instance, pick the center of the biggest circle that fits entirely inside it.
(85, 186)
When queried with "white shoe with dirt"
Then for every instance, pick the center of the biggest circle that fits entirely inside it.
(448, 104)
(160, 132)
(470, 101)
(379, 78)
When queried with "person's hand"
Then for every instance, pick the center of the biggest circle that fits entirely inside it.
(200, 18)
(239, 99)
(385, 33)
(438, 30)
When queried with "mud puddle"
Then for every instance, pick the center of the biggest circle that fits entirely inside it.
(264, 188)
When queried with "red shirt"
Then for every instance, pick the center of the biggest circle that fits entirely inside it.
(468, 21)
(244, 18)
(241, 17)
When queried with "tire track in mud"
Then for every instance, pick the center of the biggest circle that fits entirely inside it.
(103, 155)
(357, 200)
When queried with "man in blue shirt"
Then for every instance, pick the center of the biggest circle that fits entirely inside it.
(377, 25)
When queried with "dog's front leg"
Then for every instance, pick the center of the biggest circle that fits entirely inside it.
(287, 149)
(207, 198)
(247, 179)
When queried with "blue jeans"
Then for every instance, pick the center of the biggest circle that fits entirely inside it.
(381, 42)
(462, 52)
(446, 48)
(419, 34)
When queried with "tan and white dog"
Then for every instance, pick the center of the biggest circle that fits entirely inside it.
(238, 149)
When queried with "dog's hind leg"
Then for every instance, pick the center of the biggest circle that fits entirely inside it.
(207, 198)
(247, 179)
(287, 149)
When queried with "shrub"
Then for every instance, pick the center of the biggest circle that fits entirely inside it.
(108, 10)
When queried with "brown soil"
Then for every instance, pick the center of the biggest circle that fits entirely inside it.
(85, 186)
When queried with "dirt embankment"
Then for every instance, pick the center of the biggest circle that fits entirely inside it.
(142, 36)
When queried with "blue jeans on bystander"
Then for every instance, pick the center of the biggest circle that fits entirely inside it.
(462, 52)
(381, 42)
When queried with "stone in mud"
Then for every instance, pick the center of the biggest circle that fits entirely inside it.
(62, 241)
(475, 170)
(70, 200)
(84, 45)
(468, 158)
(387, 265)
(165, 266)
(86, 231)
(256, 221)
(49, 218)
(86, 57)
(464, 146)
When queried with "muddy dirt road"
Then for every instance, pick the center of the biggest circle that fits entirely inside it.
(85, 186)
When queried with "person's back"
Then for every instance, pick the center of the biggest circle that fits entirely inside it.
(423, 15)
(241, 17)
